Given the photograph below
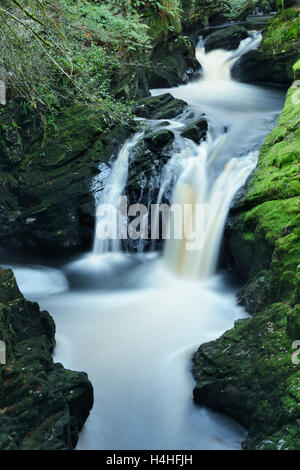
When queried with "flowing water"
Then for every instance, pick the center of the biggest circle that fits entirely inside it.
(133, 321)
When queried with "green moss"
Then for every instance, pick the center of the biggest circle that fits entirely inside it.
(37, 408)
(283, 31)
(278, 172)
(296, 69)
(249, 372)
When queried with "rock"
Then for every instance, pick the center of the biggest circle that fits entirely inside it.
(43, 406)
(256, 66)
(46, 200)
(172, 63)
(228, 38)
(254, 295)
(248, 374)
(160, 107)
(144, 174)
(296, 70)
(198, 14)
(158, 140)
(196, 131)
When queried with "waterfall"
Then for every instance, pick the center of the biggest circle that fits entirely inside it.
(110, 198)
(196, 186)
(207, 176)
(215, 202)
(217, 64)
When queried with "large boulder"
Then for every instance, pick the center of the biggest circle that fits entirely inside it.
(160, 107)
(43, 406)
(258, 66)
(228, 38)
(172, 62)
(145, 172)
(196, 131)
(46, 200)
(158, 140)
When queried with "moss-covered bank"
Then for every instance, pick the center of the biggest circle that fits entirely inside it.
(280, 48)
(249, 373)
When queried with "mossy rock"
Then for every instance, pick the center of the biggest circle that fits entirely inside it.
(43, 406)
(296, 69)
(197, 131)
(228, 38)
(172, 63)
(47, 201)
(162, 107)
(249, 373)
(274, 60)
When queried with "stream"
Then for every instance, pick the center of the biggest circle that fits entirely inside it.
(133, 321)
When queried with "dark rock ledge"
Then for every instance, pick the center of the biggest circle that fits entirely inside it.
(42, 405)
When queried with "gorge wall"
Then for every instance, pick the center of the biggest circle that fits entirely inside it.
(249, 372)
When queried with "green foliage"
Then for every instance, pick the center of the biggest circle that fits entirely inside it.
(162, 16)
(296, 69)
(234, 8)
(53, 52)
(283, 31)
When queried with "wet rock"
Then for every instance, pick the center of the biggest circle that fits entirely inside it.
(46, 201)
(228, 38)
(160, 107)
(196, 131)
(159, 139)
(144, 175)
(254, 295)
(248, 374)
(258, 66)
(43, 406)
(173, 62)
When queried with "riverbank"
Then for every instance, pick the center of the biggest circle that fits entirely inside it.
(249, 373)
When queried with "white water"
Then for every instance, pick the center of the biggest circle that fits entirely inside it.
(114, 188)
(191, 189)
(133, 324)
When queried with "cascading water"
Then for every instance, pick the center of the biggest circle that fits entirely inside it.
(215, 201)
(136, 328)
(110, 197)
